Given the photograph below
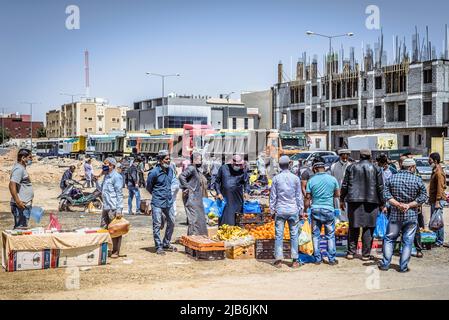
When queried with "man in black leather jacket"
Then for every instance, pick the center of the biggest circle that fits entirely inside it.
(362, 189)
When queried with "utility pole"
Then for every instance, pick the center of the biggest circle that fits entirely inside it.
(3, 127)
(31, 122)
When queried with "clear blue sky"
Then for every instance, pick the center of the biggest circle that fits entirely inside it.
(217, 46)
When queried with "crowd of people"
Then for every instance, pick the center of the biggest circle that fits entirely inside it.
(355, 190)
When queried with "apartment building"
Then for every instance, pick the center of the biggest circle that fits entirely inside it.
(91, 116)
(410, 99)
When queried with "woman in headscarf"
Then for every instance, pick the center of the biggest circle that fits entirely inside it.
(194, 186)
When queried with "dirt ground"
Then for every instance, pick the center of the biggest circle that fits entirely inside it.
(144, 275)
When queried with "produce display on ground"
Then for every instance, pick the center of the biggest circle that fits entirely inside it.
(266, 231)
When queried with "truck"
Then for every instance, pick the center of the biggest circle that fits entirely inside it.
(251, 143)
(378, 143)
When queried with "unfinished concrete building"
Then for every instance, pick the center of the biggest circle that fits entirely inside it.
(409, 97)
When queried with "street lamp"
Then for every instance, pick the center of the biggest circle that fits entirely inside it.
(163, 76)
(73, 95)
(227, 99)
(31, 122)
(329, 116)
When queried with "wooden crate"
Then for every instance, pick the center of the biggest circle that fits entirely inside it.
(205, 255)
(202, 243)
(241, 252)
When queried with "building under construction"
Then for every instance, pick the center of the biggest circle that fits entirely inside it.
(408, 96)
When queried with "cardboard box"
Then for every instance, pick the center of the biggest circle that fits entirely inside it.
(82, 257)
(29, 260)
(212, 232)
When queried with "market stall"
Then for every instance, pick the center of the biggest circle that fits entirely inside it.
(42, 249)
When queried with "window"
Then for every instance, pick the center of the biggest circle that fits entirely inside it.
(338, 117)
(340, 142)
(234, 123)
(364, 113)
(401, 113)
(364, 84)
(314, 91)
(85, 109)
(355, 113)
(90, 119)
(445, 112)
(323, 117)
(427, 76)
(302, 120)
(427, 108)
(378, 83)
(85, 130)
(419, 139)
(378, 112)
(100, 129)
(406, 140)
(246, 124)
(314, 116)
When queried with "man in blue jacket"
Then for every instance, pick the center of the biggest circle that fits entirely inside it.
(159, 184)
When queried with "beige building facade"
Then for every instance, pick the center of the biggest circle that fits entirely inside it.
(93, 116)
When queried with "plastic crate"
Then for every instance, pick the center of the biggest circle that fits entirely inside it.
(205, 255)
(265, 249)
(341, 244)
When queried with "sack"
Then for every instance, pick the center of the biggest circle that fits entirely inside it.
(381, 226)
(54, 223)
(308, 247)
(251, 207)
(118, 227)
(436, 220)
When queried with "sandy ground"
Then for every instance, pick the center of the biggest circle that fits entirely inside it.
(144, 275)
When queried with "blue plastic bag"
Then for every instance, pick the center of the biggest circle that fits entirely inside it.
(36, 214)
(251, 207)
(381, 226)
(216, 207)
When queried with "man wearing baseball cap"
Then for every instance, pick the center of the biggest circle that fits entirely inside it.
(405, 192)
(232, 185)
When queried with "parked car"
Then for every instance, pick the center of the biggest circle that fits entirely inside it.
(424, 168)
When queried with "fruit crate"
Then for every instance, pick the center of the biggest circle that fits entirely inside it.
(202, 243)
(243, 219)
(205, 255)
(341, 245)
(241, 252)
(265, 249)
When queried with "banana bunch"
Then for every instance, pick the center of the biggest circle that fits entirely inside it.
(226, 232)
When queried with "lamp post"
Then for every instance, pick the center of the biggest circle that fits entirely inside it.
(163, 76)
(227, 99)
(329, 116)
(31, 122)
